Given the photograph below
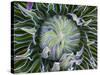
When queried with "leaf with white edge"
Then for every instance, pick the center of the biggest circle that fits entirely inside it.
(30, 31)
(87, 22)
(90, 42)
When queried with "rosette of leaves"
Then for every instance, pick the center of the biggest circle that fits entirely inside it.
(54, 37)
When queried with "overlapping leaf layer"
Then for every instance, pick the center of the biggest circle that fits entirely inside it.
(54, 37)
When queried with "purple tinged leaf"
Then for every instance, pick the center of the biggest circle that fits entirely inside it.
(78, 54)
(53, 51)
(92, 62)
(29, 5)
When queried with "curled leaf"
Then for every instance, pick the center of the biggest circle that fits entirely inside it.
(56, 66)
(26, 55)
(45, 52)
(66, 62)
(79, 53)
(79, 21)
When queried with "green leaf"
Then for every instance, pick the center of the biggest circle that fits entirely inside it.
(30, 31)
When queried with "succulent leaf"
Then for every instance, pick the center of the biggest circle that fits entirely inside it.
(54, 37)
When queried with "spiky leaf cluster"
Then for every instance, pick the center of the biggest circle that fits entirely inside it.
(54, 37)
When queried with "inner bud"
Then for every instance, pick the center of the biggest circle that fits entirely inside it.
(60, 35)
